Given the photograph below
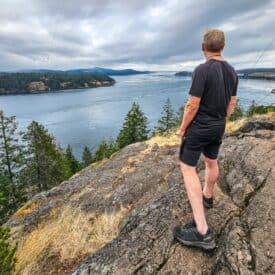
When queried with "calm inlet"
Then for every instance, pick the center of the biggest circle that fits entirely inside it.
(85, 117)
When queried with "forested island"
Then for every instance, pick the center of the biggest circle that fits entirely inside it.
(28, 83)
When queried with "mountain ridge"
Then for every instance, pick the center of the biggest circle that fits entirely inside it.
(94, 70)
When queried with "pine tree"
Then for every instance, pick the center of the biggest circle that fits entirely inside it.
(134, 127)
(46, 164)
(87, 156)
(11, 157)
(7, 252)
(105, 149)
(73, 163)
(168, 119)
(237, 113)
(6, 208)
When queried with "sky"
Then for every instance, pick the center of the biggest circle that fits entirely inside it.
(138, 34)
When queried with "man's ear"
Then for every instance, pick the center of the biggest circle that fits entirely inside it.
(203, 46)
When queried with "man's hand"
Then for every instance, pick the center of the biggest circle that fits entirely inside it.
(231, 106)
(181, 132)
(190, 110)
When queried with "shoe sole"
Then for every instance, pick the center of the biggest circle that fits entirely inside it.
(206, 246)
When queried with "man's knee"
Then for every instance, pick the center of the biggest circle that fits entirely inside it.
(186, 169)
(210, 163)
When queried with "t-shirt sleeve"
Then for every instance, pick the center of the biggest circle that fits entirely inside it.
(234, 92)
(198, 82)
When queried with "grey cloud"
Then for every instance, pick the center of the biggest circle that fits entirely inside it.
(62, 34)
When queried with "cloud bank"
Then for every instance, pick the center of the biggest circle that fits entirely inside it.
(156, 35)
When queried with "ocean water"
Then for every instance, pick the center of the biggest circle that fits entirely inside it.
(85, 117)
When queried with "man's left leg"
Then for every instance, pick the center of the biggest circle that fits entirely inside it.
(196, 233)
(194, 193)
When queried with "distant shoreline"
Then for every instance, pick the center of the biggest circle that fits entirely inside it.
(260, 73)
(53, 91)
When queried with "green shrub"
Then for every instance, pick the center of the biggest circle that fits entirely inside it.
(237, 113)
(7, 252)
(255, 109)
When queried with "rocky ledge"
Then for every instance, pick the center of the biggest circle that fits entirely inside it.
(117, 216)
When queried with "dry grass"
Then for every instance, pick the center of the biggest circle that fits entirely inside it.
(170, 138)
(69, 233)
(27, 208)
(232, 126)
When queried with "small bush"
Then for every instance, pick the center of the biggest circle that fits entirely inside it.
(237, 113)
(255, 109)
(7, 251)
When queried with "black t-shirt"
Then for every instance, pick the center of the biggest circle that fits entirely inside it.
(215, 81)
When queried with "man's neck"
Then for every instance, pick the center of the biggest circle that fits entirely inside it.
(213, 55)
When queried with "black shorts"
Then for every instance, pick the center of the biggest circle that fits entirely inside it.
(201, 138)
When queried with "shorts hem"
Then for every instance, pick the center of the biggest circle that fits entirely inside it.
(188, 163)
(210, 157)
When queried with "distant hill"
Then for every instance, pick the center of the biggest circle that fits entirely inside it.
(38, 82)
(183, 73)
(95, 70)
(257, 73)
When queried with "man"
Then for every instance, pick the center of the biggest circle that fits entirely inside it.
(211, 101)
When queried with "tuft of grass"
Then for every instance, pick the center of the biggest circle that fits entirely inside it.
(169, 138)
(70, 233)
(232, 126)
(27, 208)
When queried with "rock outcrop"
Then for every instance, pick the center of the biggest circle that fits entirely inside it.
(117, 216)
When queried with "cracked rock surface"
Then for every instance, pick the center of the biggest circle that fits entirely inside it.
(145, 179)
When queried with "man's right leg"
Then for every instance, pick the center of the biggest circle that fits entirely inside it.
(211, 176)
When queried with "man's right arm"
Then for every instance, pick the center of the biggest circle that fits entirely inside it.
(231, 106)
(233, 99)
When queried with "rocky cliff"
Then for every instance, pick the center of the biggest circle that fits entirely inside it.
(117, 216)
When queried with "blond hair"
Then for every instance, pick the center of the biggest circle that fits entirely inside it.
(213, 40)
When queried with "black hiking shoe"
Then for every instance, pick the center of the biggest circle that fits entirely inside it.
(189, 235)
(207, 202)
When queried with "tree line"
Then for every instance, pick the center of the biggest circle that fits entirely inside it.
(19, 82)
(32, 161)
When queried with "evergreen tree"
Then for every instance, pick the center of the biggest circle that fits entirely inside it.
(237, 113)
(134, 127)
(168, 119)
(105, 150)
(7, 252)
(46, 164)
(73, 163)
(87, 156)
(6, 207)
(11, 159)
